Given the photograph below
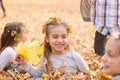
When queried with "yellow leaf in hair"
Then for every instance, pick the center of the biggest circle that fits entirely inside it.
(53, 19)
(17, 36)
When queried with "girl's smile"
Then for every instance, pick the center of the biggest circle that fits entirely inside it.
(105, 66)
(59, 45)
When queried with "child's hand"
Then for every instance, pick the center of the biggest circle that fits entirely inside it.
(20, 60)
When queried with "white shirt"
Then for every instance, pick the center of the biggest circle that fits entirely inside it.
(74, 62)
(6, 56)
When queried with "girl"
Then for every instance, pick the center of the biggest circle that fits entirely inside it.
(111, 57)
(9, 38)
(56, 51)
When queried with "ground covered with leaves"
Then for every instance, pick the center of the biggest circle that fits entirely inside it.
(34, 13)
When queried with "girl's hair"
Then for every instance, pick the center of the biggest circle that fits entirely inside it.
(51, 23)
(11, 32)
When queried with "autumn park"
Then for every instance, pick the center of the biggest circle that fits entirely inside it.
(33, 14)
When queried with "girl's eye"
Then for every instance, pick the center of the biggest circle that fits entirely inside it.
(55, 36)
(110, 54)
(64, 36)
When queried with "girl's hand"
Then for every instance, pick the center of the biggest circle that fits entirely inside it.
(20, 60)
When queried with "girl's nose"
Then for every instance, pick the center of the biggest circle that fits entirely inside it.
(24, 38)
(59, 39)
(104, 57)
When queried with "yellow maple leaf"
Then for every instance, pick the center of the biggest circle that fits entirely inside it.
(30, 50)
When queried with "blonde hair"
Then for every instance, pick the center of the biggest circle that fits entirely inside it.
(51, 23)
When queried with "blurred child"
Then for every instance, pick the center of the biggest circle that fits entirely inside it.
(111, 57)
(11, 35)
(56, 51)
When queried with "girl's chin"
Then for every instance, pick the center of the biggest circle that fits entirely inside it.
(105, 69)
(60, 50)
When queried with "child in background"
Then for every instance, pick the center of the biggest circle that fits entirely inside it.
(11, 35)
(111, 58)
(56, 51)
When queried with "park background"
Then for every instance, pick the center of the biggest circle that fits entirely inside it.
(34, 13)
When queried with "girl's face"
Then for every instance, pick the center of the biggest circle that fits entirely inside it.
(57, 38)
(111, 58)
(21, 37)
